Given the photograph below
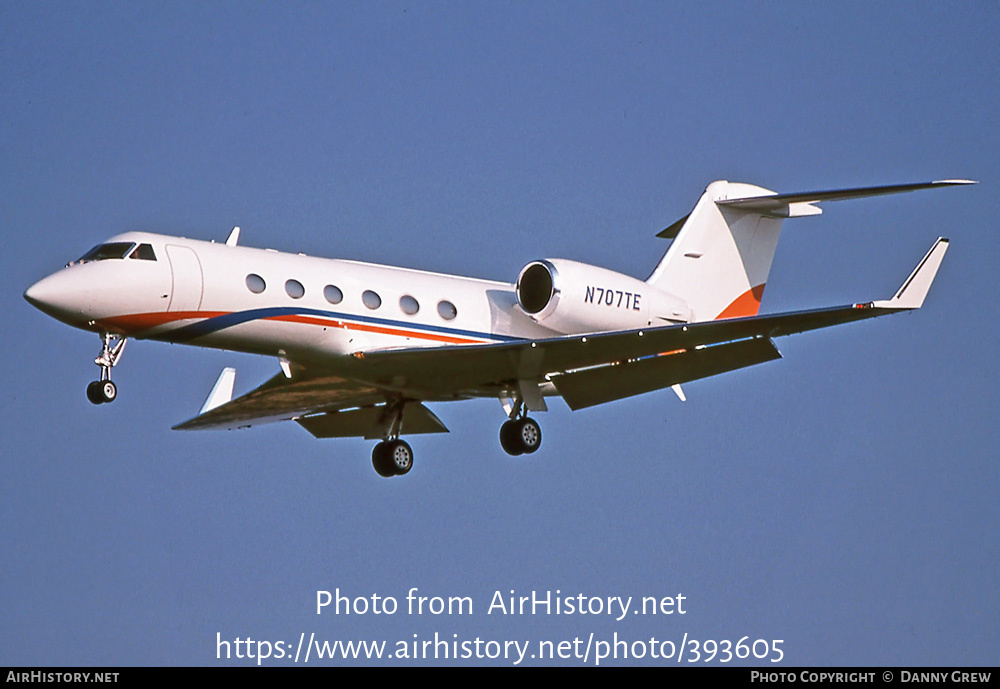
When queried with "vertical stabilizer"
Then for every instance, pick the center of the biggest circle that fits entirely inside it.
(720, 260)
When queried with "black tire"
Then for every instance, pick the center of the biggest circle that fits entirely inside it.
(400, 456)
(94, 392)
(380, 461)
(529, 434)
(509, 440)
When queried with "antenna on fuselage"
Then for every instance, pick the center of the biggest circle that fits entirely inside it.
(234, 237)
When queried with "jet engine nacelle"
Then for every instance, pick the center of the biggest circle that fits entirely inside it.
(571, 297)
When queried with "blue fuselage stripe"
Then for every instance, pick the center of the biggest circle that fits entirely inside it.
(217, 323)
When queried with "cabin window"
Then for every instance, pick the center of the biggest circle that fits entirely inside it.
(143, 252)
(447, 310)
(294, 289)
(371, 300)
(333, 294)
(103, 252)
(255, 283)
(409, 305)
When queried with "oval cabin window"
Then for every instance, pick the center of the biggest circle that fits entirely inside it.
(447, 310)
(409, 305)
(255, 283)
(371, 300)
(333, 294)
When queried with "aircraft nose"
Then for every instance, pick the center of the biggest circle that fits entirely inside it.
(52, 295)
(40, 294)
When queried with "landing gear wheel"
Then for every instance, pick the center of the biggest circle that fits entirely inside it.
(381, 461)
(529, 433)
(94, 392)
(400, 456)
(392, 458)
(108, 391)
(509, 440)
(102, 391)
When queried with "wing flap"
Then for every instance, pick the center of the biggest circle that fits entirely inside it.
(614, 382)
(367, 422)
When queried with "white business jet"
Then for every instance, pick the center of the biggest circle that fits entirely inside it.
(363, 347)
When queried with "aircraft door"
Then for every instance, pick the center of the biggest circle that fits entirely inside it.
(186, 279)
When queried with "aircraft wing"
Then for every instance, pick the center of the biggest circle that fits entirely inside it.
(478, 369)
(471, 369)
(282, 399)
(326, 405)
(586, 369)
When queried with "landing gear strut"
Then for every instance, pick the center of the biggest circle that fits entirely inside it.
(103, 390)
(393, 456)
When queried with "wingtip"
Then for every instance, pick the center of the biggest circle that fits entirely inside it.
(222, 391)
(914, 290)
(952, 182)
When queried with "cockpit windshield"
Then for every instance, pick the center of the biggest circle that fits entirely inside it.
(103, 252)
(143, 252)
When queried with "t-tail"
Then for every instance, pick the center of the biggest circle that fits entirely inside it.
(721, 255)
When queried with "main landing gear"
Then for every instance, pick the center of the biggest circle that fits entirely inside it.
(393, 456)
(520, 436)
(103, 390)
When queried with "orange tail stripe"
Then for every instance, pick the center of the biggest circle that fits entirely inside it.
(747, 304)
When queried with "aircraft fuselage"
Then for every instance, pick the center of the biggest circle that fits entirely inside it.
(268, 302)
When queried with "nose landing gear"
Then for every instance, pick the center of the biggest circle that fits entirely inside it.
(103, 390)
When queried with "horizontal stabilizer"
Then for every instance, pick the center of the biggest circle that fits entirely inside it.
(778, 204)
(367, 422)
(608, 383)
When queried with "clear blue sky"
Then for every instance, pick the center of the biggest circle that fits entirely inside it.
(843, 499)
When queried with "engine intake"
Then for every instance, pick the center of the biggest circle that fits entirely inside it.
(536, 286)
(570, 297)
